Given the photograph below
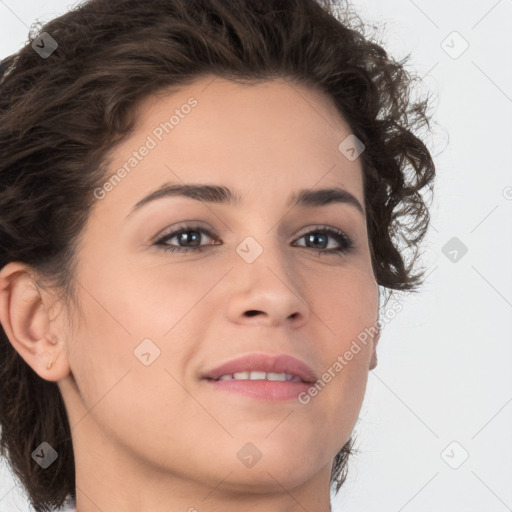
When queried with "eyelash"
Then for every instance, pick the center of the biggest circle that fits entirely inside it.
(345, 241)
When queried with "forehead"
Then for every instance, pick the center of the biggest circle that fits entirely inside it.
(249, 137)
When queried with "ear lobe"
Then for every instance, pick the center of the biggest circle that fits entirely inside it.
(373, 361)
(26, 322)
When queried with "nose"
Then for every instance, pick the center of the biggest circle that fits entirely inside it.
(267, 292)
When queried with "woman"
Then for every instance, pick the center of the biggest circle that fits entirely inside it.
(200, 204)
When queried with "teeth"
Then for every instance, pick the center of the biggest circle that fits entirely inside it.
(257, 375)
(277, 376)
(260, 376)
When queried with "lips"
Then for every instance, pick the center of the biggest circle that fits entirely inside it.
(264, 363)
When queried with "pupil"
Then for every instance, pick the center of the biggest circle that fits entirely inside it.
(188, 238)
(315, 238)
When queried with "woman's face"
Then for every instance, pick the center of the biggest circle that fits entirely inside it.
(156, 321)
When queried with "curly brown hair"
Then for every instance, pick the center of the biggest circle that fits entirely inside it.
(61, 116)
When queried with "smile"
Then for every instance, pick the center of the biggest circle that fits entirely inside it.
(260, 376)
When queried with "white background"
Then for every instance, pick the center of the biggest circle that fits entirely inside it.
(444, 371)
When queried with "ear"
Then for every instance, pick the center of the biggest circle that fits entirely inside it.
(25, 317)
(376, 337)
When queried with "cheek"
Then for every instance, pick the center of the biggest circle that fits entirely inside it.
(347, 313)
(131, 314)
(335, 400)
(152, 302)
(346, 302)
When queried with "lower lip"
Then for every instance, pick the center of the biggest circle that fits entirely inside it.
(263, 389)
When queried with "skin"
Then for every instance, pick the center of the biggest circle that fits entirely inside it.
(157, 437)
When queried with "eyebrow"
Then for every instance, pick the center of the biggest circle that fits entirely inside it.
(222, 195)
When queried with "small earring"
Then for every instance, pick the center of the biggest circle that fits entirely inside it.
(49, 365)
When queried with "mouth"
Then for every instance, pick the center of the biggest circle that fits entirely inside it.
(259, 375)
(278, 377)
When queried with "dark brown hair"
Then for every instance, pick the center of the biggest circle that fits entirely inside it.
(60, 117)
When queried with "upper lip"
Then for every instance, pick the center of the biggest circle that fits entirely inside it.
(282, 363)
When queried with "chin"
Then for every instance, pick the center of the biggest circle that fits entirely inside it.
(270, 476)
(259, 463)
